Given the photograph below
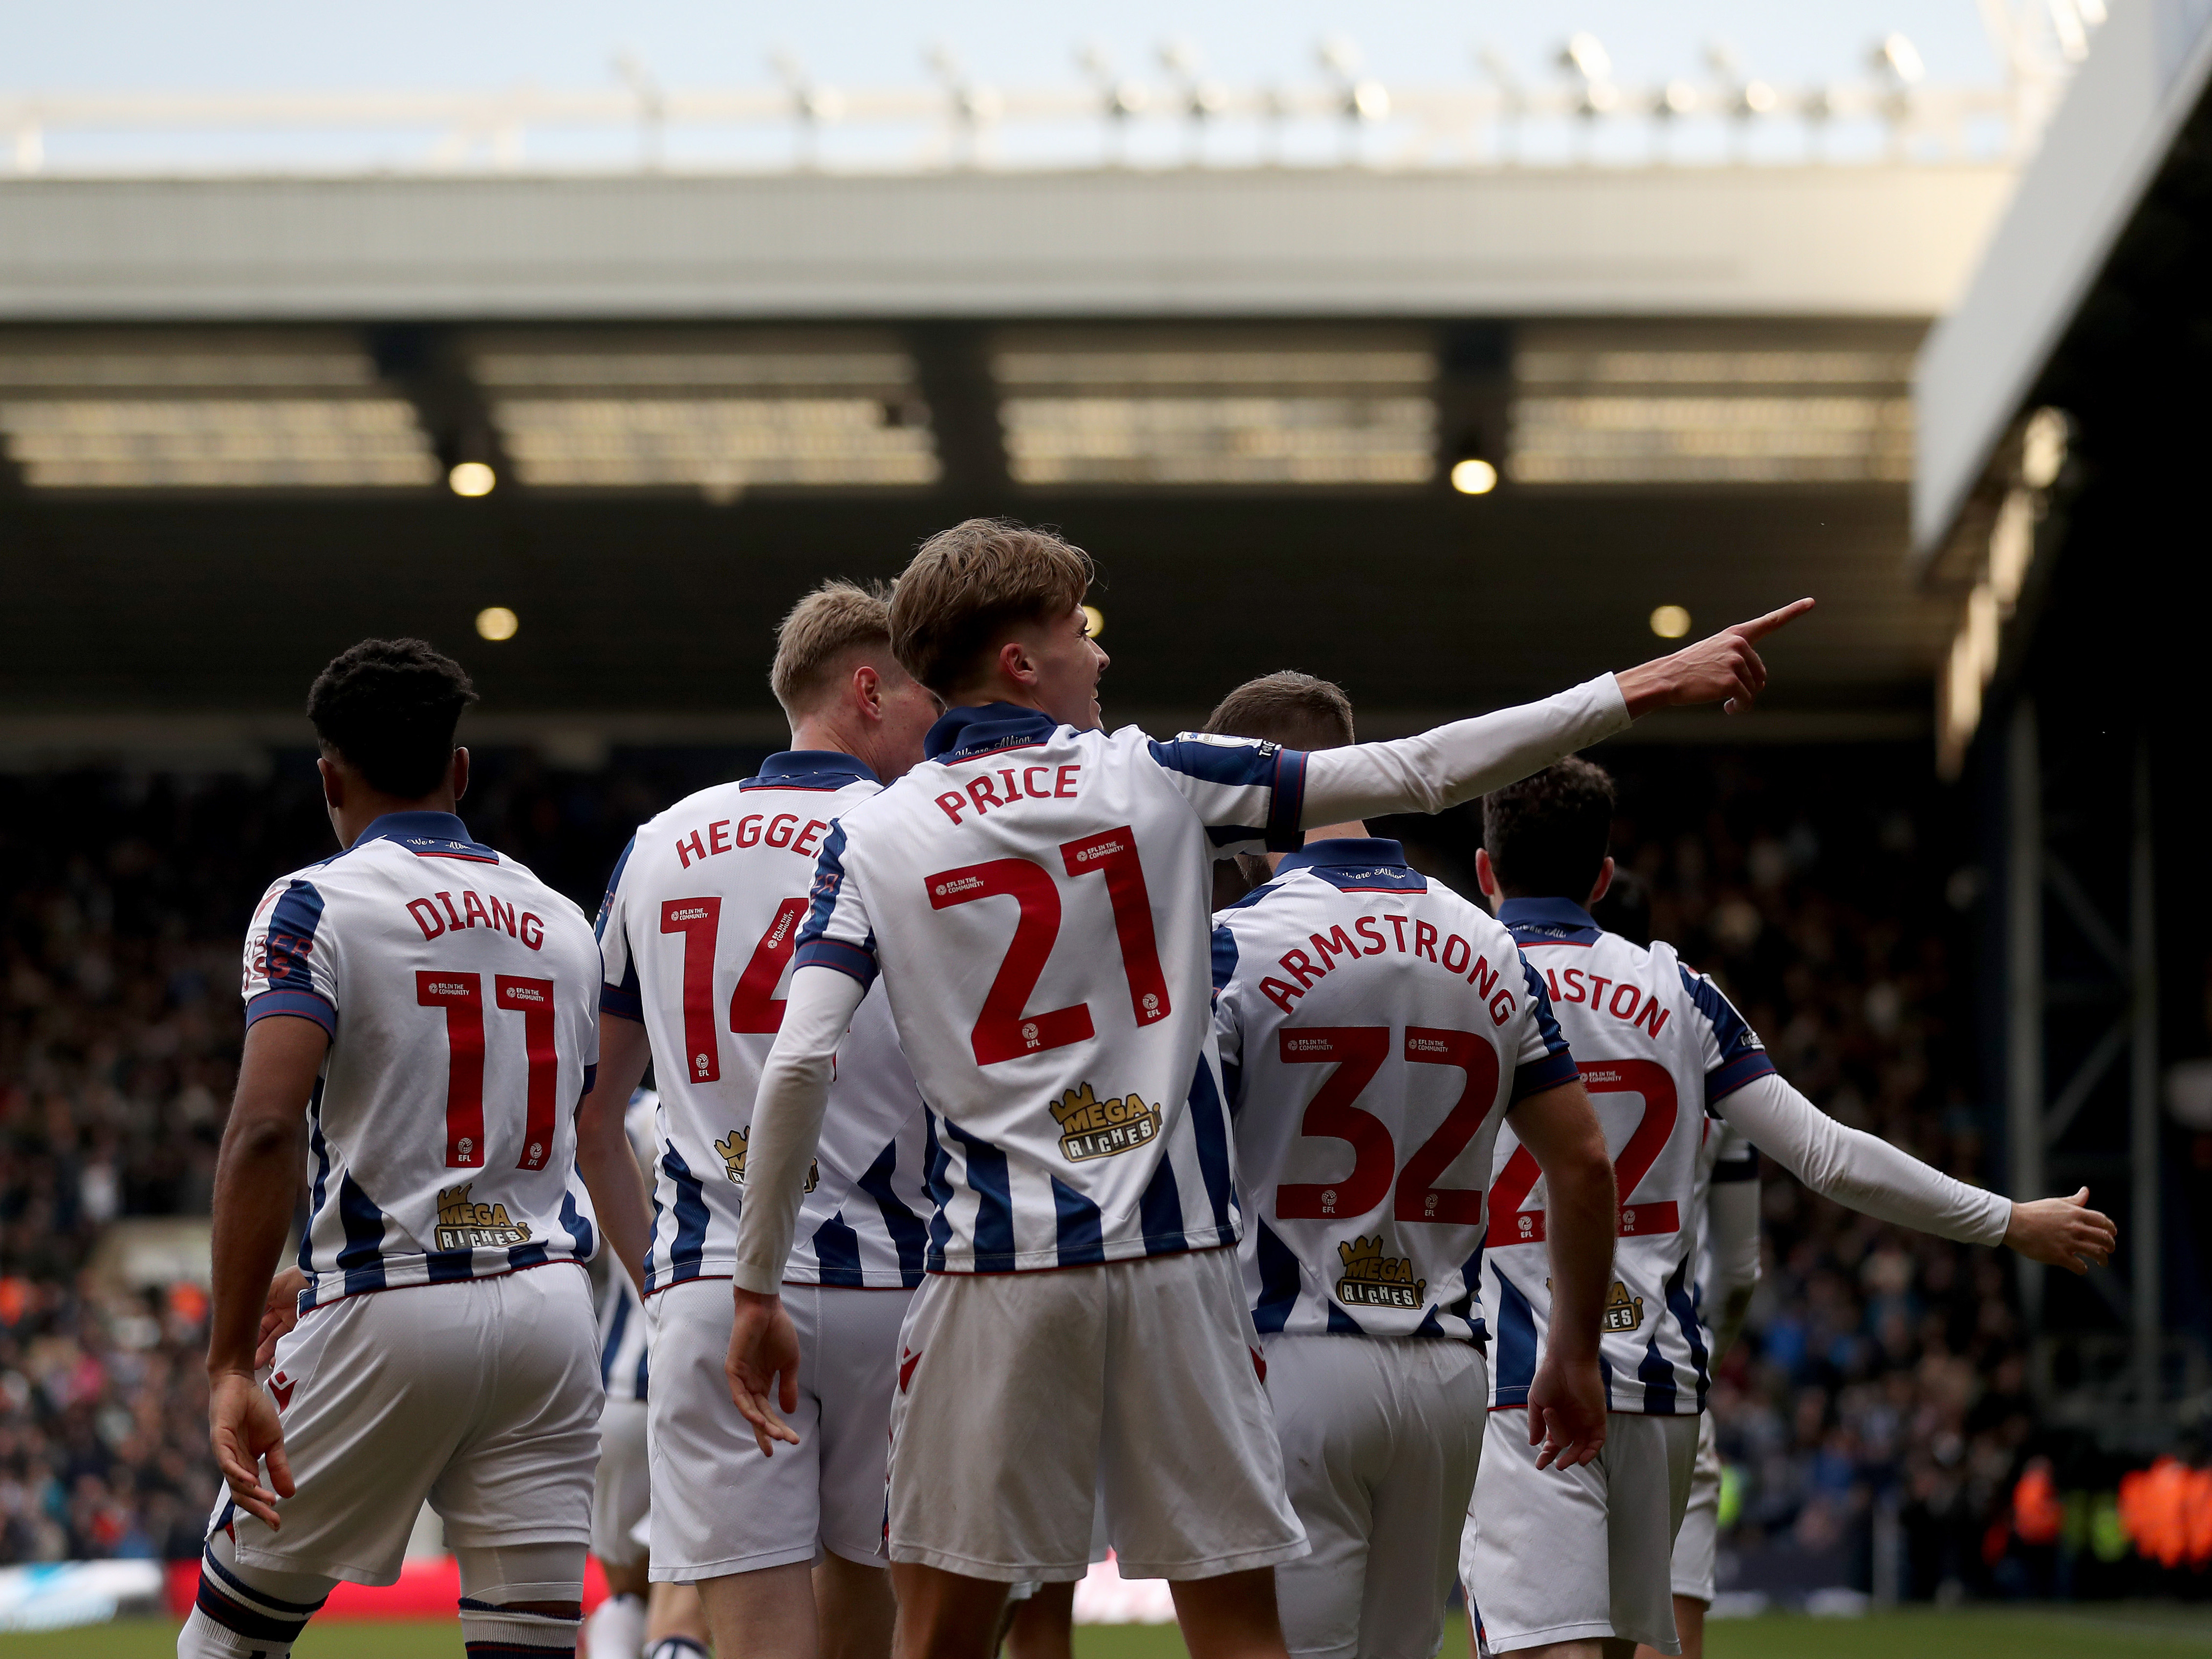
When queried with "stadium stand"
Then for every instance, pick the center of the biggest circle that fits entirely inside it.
(1832, 890)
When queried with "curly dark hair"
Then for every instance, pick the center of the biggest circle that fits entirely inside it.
(1546, 833)
(389, 707)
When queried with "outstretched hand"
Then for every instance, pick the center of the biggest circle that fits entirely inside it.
(1725, 669)
(764, 1354)
(2065, 1232)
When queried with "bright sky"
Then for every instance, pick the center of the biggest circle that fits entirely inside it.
(268, 44)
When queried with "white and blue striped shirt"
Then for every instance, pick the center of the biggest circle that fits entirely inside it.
(1375, 1027)
(1037, 900)
(698, 932)
(457, 991)
(623, 1326)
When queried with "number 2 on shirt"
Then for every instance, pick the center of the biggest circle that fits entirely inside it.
(1358, 1052)
(1002, 1030)
(1511, 1225)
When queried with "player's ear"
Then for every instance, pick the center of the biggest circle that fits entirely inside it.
(333, 782)
(1486, 876)
(868, 687)
(1604, 883)
(460, 773)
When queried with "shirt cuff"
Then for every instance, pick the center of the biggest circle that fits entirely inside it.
(759, 1280)
(303, 1005)
(1725, 1080)
(846, 958)
(1554, 1071)
(1286, 802)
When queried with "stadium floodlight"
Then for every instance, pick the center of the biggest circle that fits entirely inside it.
(1901, 58)
(496, 623)
(1670, 622)
(471, 479)
(1094, 621)
(1473, 477)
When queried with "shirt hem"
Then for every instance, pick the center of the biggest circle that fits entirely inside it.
(728, 1270)
(1135, 1249)
(434, 1284)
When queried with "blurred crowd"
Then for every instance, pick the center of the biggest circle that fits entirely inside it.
(1879, 1393)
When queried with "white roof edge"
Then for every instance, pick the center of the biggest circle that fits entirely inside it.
(2146, 68)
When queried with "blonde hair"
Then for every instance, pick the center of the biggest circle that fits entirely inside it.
(966, 583)
(825, 626)
(1294, 709)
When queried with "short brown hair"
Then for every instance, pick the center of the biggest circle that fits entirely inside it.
(965, 584)
(822, 628)
(1294, 709)
(1546, 835)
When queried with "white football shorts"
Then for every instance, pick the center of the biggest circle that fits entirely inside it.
(1381, 1438)
(624, 1492)
(1021, 1395)
(1564, 1555)
(719, 1507)
(481, 1397)
(1696, 1547)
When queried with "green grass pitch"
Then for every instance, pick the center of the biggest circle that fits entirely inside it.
(2111, 1632)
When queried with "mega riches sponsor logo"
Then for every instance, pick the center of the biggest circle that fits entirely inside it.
(1091, 1127)
(1623, 1312)
(731, 1146)
(463, 1225)
(1372, 1279)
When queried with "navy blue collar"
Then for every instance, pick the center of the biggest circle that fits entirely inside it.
(1346, 852)
(811, 769)
(960, 733)
(428, 835)
(1548, 918)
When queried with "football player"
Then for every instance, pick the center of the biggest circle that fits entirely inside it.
(1036, 897)
(1376, 1029)
(658, 1621)
(419, 1025)
(698, 931)
(1666, 1058)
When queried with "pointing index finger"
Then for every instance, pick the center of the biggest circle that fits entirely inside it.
(1759, 628)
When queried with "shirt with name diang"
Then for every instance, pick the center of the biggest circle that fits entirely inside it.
(460, 992)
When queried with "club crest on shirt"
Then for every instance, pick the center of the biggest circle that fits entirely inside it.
(463, 1225)
(1623, 1312)
(1372, 1279)
(731, 1146)
(1092, 1128)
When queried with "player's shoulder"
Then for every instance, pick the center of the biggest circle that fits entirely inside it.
(700, 805)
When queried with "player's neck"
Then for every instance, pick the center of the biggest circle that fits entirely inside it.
(1354, 830)
(364, 806)
(999, 690)
(826, 734)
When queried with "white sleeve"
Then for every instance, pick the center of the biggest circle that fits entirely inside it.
(1731, 1240)
(1861, 1170)
(794, 1090)
(1456, 762)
